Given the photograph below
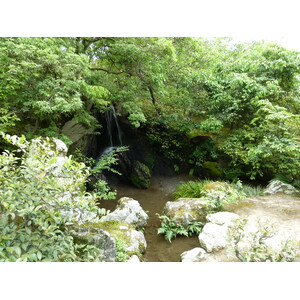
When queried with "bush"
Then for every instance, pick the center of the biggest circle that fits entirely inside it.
(41, 193)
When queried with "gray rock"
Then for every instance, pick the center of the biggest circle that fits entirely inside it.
(184, 210)
(75, 131)
(195, 255)
(277, 186)
(129, 211)
(214, 235)
(135, 240)
(99, 238)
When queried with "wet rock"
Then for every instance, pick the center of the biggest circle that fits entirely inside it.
(195, 255)
(129, 211)
(214, 235)
(185, 210)
(277, 186)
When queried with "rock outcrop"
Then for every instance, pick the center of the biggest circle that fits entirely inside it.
(277, 186)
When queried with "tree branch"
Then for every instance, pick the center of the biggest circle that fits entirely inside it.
(107, 71)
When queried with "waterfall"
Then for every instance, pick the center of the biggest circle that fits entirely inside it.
(112, 125)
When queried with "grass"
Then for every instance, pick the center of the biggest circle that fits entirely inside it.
(194, 189)
(190, 189)
(250, 191)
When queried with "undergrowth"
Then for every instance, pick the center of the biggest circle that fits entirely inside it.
(170, 229)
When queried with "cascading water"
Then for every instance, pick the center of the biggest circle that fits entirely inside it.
(112, 125)
(113, 131)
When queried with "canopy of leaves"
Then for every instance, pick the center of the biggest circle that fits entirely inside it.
(196, 99)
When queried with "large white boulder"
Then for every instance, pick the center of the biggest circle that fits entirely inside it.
(129, 211)
(214, 235)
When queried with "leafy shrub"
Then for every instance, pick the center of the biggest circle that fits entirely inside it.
(39, 193)
(170, 229)
(250, 246)
(121, 253)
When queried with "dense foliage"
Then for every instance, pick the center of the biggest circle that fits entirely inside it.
(215, 108)
(42, 193)
(211, 105)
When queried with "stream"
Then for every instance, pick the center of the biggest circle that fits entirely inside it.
(153, 201)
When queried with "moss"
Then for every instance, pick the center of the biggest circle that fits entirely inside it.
(213, 168)
(113, 228)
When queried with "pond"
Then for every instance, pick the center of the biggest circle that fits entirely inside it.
(153, 201)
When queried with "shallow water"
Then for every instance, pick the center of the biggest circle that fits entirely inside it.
(153, 201)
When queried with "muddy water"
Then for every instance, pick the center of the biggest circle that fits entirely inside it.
(153, 201)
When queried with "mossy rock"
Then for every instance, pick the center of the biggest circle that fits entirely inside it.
(185, 210)
(213, 168)
(140, 175)
(133, 239)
